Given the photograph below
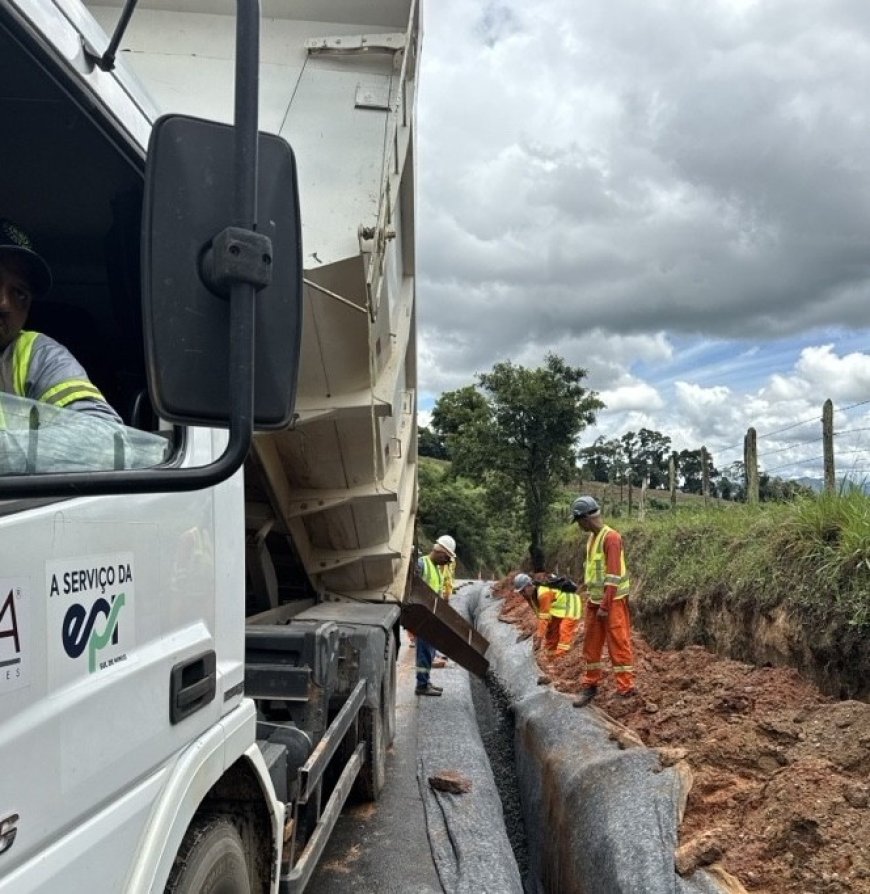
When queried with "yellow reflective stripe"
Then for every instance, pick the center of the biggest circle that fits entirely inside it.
(70, 391)
(622, 668)
(563, 647)
(594, 665)
(21, 354)
(542, 616)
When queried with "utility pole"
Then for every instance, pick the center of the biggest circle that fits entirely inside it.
(672, 479)
(828, 445)
(750, 464)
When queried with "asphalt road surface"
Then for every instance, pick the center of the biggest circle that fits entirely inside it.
(383, 848)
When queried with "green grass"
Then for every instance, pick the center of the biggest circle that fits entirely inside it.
(813, 554)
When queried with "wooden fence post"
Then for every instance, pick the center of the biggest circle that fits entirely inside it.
(705, 475)
(828, 445)
(672, 480)
(750, 464)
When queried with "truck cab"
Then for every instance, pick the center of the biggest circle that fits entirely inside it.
(193, 672)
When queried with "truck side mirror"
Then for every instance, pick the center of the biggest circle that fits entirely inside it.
(188, 206)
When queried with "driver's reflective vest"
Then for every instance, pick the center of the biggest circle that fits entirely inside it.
(594, 574)
(57, 379)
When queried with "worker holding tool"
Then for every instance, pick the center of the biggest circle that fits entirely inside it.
(558, 597)
(607, 616)
(558, 609)
(431, 568)
(528, 589)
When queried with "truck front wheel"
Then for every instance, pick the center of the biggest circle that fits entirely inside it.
(211, 860)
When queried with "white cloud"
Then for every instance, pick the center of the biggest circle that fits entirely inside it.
(638, 188)
(639, 396)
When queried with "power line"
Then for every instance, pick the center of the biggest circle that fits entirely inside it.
(851, 431)
(778, 431)
(793, 446)
(799, 462)
(860, 403)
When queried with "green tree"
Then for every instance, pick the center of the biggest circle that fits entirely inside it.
(524, 442)
(460, 416)
(450, 505)
(430, 444)
(690, 469)
(651, 457)
(601, 461)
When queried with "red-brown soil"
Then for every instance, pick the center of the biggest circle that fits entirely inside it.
(781, 773)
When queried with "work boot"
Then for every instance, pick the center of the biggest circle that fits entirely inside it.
(629, 693)
(587, 693)
(428, 689)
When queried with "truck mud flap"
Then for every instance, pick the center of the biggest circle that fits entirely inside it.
(431, 618)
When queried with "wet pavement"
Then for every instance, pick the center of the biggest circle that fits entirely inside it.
(383, 848)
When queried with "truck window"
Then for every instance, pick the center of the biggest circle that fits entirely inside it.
(76, 189)
(39, 437)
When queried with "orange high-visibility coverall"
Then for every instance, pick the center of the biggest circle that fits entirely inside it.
(615, 630)
(558, 618)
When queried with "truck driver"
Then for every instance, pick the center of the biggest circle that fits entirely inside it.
(33, 365)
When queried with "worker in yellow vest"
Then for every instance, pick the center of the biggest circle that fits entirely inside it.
(608, 620)
(431, 569)
(565, 609)
(558, 609)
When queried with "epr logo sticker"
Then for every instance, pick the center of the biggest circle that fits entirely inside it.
(91, 614)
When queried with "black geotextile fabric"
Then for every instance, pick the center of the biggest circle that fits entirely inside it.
(600, 820)
(467, 832)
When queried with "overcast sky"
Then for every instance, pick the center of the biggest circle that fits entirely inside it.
(672, 194)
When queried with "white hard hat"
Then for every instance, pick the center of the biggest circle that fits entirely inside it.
(448, 544)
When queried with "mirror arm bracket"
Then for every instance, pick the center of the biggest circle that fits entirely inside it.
(237, 255)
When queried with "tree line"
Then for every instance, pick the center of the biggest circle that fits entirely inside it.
(512, 441)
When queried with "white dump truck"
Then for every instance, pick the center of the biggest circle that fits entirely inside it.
(199, 609)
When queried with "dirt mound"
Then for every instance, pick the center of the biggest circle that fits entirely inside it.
(780, 771)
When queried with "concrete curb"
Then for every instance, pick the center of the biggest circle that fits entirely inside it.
(600, 819)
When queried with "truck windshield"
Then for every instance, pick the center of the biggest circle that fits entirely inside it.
(38, 437)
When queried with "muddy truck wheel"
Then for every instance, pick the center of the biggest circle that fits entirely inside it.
(211, 860)
(372, 776)
(389, 693)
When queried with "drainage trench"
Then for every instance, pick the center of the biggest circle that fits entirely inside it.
(581, 814)
(495, 720)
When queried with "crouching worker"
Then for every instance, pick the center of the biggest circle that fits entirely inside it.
(558, 598)
(557, 607)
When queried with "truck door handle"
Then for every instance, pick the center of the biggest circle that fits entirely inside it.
(192, 685)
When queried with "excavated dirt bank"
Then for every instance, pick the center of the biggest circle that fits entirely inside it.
(781, 771)
(836, 658)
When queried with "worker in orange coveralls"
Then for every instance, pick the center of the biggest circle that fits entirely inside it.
(558, 609)
(565, 610)
(607, 617)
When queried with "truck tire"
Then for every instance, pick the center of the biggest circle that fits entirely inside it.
(211, 860)
(373, 774)
(389, 696)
